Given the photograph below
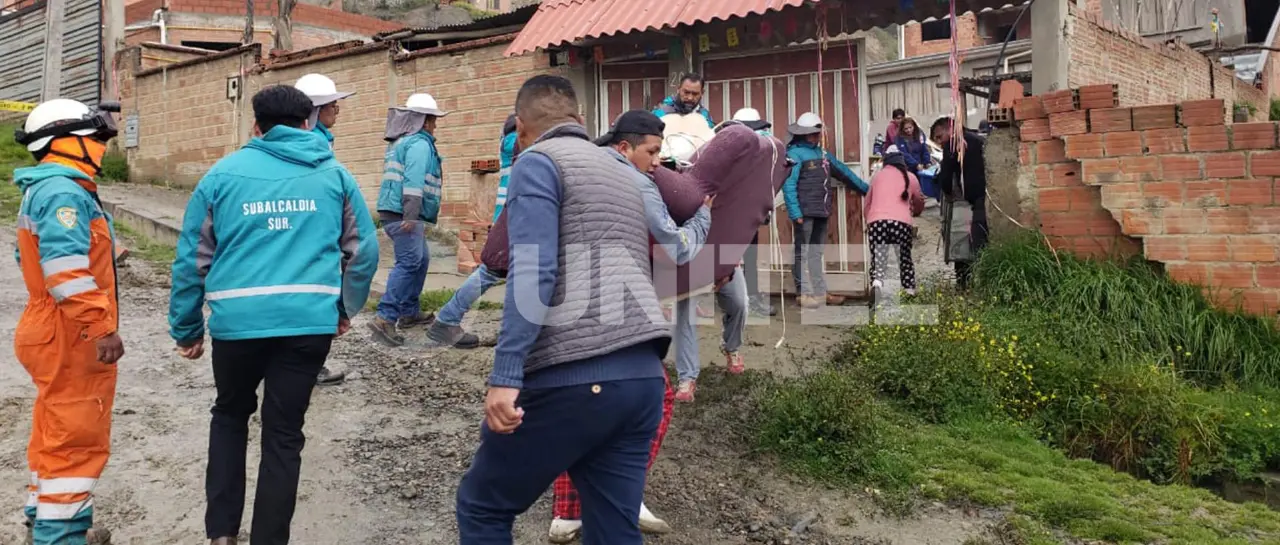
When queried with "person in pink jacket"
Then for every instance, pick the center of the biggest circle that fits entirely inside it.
(892, 203)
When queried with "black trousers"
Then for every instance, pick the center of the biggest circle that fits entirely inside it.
(978, 237)
(288, 366)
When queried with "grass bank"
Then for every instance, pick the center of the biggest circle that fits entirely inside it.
(1052, 362)
(12, 155)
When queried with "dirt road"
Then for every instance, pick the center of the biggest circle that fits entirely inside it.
(386, 450)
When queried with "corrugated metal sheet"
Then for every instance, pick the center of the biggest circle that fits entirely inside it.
(560, 21)
(22, 39)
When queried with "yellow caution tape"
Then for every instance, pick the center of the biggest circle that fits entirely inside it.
(15, 106)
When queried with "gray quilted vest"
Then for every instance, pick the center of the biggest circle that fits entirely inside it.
(604, 298)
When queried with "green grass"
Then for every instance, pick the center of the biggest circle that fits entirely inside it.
(432, 300)
(1144, 313)
(12, 155)
(826, 426)
(141, 246)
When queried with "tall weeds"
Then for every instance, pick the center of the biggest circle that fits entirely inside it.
(1138, 307)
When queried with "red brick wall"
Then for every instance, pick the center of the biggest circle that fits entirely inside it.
(477, 86)
(306, 14)
(967, 36)
(1172, 182)
(1148, 72)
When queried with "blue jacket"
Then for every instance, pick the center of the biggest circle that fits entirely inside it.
(668, 106)
(411, 182)
(278, 240)
(323, 132)
(801, 152)
(915, 151)
(507, 155)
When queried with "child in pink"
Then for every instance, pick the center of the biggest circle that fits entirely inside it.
(892, 203)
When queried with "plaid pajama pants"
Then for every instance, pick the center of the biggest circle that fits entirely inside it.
(566, 504)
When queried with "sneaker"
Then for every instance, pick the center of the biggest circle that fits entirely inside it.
(877, 293)
(329, 378)
(759, 305)
(385, 332)
(650, 524)
(97, 536)
(733, 361)
(810, 302)
(564, 530)
(911, 292)
(422, 318)
(685, 392)
(442, 334)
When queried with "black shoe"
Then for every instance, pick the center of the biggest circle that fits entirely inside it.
(385, 332)
(329, 378)
(443, 334)
(423, 318)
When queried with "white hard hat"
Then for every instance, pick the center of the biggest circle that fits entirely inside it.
(746, 114)
(679, 148)
(58, 110)
(320, 89)
(809, 123)
(424, 103)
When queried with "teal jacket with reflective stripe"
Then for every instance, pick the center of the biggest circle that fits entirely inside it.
(411, 182)
(277, 239)
(507, 156)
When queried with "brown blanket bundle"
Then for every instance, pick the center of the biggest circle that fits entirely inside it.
(742, 169)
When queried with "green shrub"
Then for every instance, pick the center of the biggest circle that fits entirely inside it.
(1275, 109)
(115, 167)
(1143, 313)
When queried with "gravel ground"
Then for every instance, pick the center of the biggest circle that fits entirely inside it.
(386, 449)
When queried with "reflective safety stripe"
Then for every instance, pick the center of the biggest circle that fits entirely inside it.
(412, 192)
(65, 263)
(61, 511)
(502, 191)
(504, 171)
(33, 499)
(273, 290)
(433, 179)
(392, 177)
(73, 287)
(430, 190)
(25, 222)
(395, 165)
(67, 485)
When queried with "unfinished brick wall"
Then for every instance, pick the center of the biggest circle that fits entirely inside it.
(966, 35)
(1147, 72)
(1171, 181)
(186, 123)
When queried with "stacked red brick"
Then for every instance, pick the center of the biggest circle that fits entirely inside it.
(471, 238)
(1199, 194)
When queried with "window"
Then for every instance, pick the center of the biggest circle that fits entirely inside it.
(493, 5)
(1002, 33)
(935, 30)
(212, 46)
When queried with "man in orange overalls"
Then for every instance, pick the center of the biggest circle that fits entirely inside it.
(66, 338)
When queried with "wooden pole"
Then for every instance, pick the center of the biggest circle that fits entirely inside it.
(55, 11)
(112, 42)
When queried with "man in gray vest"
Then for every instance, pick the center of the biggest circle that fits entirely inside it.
(577, 386)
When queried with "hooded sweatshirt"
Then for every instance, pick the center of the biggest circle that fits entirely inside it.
(323, 132)
(507, 156)
(411, 180)
(279, 241)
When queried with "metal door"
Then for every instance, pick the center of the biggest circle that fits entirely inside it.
(630, 86)
(782, 86)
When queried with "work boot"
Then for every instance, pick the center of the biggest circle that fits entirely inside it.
(810, 302)
(30, 538)
(224, 541)
(650, 524)
(329, 378)
(384, 331)
(422, 318)
(759, 305)
(97, 536)
(443, 334)
(835, 300)
(564, 530)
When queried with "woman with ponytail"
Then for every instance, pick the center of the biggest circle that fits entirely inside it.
(891, 204)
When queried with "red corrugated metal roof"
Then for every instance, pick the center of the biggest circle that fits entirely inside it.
(560, 21)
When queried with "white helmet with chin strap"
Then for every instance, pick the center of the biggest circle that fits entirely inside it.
(43, 122)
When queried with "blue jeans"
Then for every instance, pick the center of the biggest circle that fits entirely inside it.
(600, 433)
(404, 284)
(732, 299)
(468, 293)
